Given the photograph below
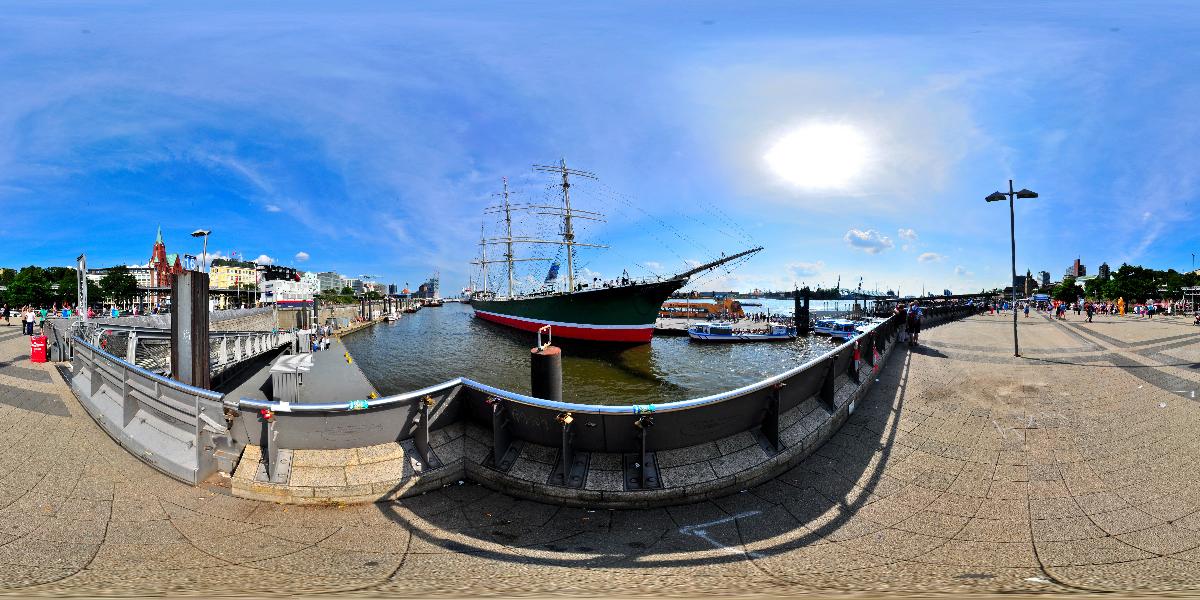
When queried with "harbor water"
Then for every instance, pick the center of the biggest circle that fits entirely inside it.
(438, 344)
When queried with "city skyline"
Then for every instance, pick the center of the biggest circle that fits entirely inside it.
(369, 140)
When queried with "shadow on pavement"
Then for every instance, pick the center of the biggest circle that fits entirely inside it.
(802, 507)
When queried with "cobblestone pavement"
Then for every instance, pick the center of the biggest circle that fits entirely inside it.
(966, 469)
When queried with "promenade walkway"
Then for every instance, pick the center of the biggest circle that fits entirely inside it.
(333, 378)
(1069, 469)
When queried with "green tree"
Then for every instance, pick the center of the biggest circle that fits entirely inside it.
(119, 285)
(68, 284)
(95, 292)
(30, 286)
(1067, 291)
(347, 291)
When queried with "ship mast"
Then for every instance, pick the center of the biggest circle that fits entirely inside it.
(508, 256)
(483, 261)
(568, 231)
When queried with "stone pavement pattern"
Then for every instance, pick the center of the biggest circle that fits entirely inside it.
(964, 469)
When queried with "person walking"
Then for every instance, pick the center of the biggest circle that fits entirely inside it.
(1026, 310)
(29, 319)
(1090, 310)
(7, 322)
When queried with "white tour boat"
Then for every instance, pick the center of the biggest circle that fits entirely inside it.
(724, 332)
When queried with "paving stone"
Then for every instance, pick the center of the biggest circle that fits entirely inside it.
(948, 474)
(318, 476)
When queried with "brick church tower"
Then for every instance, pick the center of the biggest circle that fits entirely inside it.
(162, 272)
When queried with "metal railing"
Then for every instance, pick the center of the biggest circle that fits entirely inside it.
(597, 428)
(181, 429)
(150, 347)
(176, 428)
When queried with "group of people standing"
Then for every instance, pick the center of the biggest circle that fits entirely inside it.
(912, 322)
(318, 338)
(27, 317)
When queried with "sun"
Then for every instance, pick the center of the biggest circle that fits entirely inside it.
(820, 156)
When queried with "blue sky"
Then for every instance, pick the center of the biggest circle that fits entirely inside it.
(369, 138)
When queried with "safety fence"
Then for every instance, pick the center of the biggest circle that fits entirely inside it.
(178, 429)
(149, 348)
(188, 432)
(571, 427)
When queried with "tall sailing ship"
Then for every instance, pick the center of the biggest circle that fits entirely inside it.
(623, 311)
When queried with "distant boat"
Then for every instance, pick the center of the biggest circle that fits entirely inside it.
(623, 311)
(724, 332)
(836, 328)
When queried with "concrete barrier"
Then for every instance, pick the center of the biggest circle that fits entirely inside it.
(551, 450)
(177, 429)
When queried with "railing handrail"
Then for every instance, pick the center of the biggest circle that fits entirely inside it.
(159, 331)
(179, 385)
(631, 409)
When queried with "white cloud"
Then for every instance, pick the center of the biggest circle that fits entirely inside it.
(930, 257)
(801, 270)
(916, 133)
(908, 235)
(263, 259)
(273, 208)
(869, 241)
(301, 256)
(962, 271)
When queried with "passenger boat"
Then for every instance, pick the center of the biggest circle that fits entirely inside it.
(836, 328)
(724, 332)
(623, 311)
(392, 316)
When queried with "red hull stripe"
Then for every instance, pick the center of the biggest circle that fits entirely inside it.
(607, 333)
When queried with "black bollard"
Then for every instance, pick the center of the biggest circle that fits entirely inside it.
(802, 323)
(545, 373)
(189, 329)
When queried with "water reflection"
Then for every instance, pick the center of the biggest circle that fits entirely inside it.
(437, 344)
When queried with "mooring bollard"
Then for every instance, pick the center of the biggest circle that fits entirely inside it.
(545, 369)
(801, 311)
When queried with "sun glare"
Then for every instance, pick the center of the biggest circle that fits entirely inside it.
(820, 156)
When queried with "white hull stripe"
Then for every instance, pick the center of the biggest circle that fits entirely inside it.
(562, 324)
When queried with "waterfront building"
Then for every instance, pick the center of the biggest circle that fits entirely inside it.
(352, 283)
(1019, 282)
(310, 279)
(140, 273)
(287, 292)
(1076, 269)
(329, 280)
(229, 274)
(1045, 277)
(1104, 272)
(392, 289)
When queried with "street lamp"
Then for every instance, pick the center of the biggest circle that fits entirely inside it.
(1012, 232)
(204, 234)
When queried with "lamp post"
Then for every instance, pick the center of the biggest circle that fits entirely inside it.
(204, 253)
(1012, 232)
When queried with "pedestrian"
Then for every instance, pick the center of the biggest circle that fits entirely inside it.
(1026, 310)
(7, 322)
(29, 319)
(1090, 310)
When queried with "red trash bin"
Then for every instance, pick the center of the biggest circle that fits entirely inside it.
(37, 348)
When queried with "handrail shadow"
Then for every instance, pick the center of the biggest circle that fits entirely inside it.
(499, 527)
